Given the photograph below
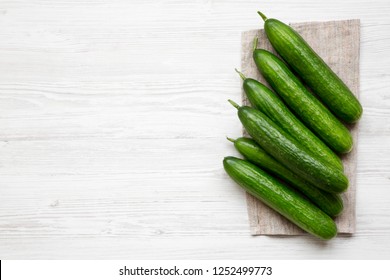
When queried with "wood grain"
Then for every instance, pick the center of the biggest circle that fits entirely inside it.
(338, 43)
(113, 118)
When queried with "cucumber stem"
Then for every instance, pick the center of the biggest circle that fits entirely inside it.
(255, 42)
(262, 15)
(241, 75)
(231, 139)
(235, 105)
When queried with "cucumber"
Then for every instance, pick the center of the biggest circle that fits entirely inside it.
(304, 104)
(331, 204)
(313, 70)
(279, 197)
(289, 152)
(263, 99)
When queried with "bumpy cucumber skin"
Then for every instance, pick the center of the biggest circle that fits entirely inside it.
(331, 204)
(263, 99)
(279, 197)
(313, 70)
(289, 152)
(305, 105)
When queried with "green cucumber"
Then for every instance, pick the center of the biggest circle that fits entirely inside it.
(304, 104)
(289, 152)
(263, 99)
(281, 198)
(331, 204)
(313, 70)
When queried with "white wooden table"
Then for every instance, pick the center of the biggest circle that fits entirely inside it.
(113, 118)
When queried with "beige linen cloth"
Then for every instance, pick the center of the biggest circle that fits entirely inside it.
(338, 43)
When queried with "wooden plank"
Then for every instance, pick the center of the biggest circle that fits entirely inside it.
(338, 43)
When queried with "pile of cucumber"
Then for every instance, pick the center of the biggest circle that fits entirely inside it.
(291, 160)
